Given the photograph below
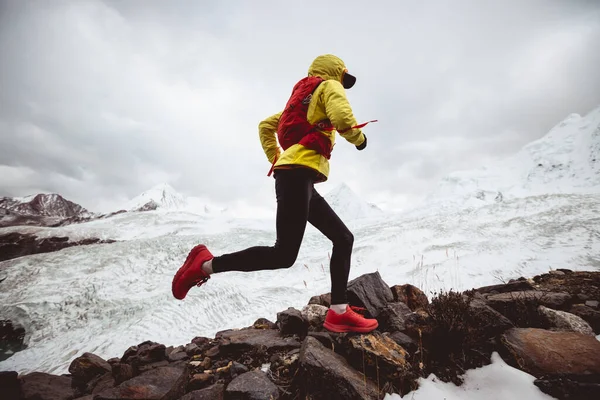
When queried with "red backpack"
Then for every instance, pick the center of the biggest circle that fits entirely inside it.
(293, 125)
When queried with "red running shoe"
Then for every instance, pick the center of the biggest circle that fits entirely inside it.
(350, 321)
(190, 274)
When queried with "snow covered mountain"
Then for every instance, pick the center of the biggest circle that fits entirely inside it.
(161, 196)
(164, 197)
(349, 206)
(39, 210)
(42, 205)
(565, 160)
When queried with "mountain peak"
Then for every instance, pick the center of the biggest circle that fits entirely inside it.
(349, 205)
(165, 187)
(42, 205)
(162, 196)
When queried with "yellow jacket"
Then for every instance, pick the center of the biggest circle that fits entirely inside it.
(329, 101)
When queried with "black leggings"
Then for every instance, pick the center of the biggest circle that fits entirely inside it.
(297, 203)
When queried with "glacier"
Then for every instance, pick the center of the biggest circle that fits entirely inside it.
(104, 298)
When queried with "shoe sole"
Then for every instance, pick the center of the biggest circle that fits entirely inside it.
(185, 267)
(345, 328)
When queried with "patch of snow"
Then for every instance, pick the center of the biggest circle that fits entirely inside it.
(25, 199)
(497, 381)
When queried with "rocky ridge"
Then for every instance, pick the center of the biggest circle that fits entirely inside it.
(15, 244)
(544, 326)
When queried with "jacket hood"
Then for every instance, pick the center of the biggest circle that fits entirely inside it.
(327, 66)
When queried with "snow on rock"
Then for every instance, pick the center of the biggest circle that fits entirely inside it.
(348, 205)
(42, 205)
(161, 196)
(565, 161)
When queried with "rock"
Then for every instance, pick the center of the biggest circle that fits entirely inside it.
(122, 372)
(291, 322)
(177, 349)
(371, 292)
(237, 369)
(315, 315)
(167, 383)
(9, 382)
(327, 375)
(87, 367)
(592, 303)
(541, 352)
(325, 339)
(214, 392)
(403, 340)
(206, 363)
(487, 320)
(588, 314)
(417, 323)
(154, 365)
(202, 342)
(516, 286)
(565, 270)
(42, 386)
(410, 295)
(145, 353)
(558, 273)
(101, 383)
(255, 341)
(16, 244)
(177, 356)
(11, 338)
(565, 321)
(322, 300)
(200, 381)
(582, 297)
(253, 385)
(213, 351)
(152, 352)
(376, 354)
(561, 387)
(192, 349)
(129, 353)
(549, 299)
(391, 317)
(263, 323)
(579, 284)
(521, 307)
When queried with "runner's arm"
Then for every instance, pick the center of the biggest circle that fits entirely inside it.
(267, 130)
(340, 113)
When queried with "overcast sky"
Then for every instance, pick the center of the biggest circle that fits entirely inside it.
(101, 100)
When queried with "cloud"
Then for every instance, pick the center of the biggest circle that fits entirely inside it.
(101, 100)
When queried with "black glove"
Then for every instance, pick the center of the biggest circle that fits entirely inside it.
(364, 144)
